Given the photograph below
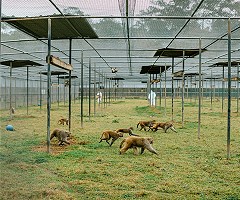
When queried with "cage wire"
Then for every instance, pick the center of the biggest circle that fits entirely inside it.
(128, 34)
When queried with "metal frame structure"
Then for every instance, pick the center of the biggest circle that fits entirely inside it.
(129, 40)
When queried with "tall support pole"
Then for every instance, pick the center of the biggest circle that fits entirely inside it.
(81, 90)
(190, 88)
(58, 91)
(10, 92)
(172, 85)
(160, 90)
(6, 90)
(237, 87)
(94, 90)
(89, 89)
(150, 89)
(200, 84)
(64, 91)
(229, 90)
(115, 89)
(223, 89)
(105, 90)
(70, 87)
(27, 90)
(15, 92)
(165, 91)
(211, 91)
(183, 88)
(40, 91)
(109, 91)
(49, 86)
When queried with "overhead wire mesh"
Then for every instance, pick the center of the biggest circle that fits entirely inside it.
(128, 38)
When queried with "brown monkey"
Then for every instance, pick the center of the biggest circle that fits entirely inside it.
(63, 120)
(145, 124)
(165, 126)
(107, 135)
(13, 110)
(134, 142)
(126, 130)
(61, 135)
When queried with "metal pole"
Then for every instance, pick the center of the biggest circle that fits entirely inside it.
(89, 90)
(222, 89)
(200, 84)
(160, 90)
(58, 91)
(27, 90)
(94, 89)
(211, 91)
(109, 92)
(48, 86)
(6, 88)
(10, 109)
(229, 90)
(40, 91)
(15, 93)
(64, 91)
(70, 87)
(165, 92)
(183, 87)
(237, 86)
(104, 90)
(172, 85)
(81, 90)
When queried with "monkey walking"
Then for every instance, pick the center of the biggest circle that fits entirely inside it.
(107, 135)
(61, 135)
(126, 130)
(144, 124)
(134, 142)
(165, 126)
(62, 121)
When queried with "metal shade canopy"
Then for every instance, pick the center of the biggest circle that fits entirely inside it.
(20, 63)
(116, 78)
(62, 27)
(15, 64)
(225, 64)
(153, 69)
(191, 74)
(177, 53)
(67, 77)
(54, 73)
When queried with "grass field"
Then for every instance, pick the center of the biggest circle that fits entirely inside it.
(186, 167)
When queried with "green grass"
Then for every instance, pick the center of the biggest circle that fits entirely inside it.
(186, 167)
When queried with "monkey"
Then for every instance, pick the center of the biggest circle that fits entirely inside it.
(134, 142)
(13, 110)
(107, 135)
(62, 121)
(145, 124)
(126, 130)
(164, 126)
(61, 135)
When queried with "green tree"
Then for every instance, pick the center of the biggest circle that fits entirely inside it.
(169, 27)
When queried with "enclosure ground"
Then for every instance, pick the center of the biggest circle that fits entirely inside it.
(187, 167)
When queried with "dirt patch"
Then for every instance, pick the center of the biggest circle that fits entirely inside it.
(55, 149)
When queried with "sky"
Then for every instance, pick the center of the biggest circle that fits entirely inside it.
(44, 7)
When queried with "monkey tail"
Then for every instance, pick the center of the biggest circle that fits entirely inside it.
(122, 143)
(138, 124)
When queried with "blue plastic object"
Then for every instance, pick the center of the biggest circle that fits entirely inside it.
(9, 128)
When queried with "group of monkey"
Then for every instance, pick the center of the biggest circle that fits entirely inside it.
(133, 141)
